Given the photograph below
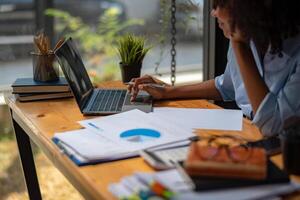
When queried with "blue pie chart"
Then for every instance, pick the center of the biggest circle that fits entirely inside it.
(140, 135)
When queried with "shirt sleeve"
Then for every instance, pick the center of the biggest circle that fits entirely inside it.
(276, 108)
(223, 82)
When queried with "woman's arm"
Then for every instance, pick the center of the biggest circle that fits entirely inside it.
(161, 90)
(254, 84)
(204, 90)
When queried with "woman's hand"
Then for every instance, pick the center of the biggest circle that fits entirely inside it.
(156, 88)
(238, 37)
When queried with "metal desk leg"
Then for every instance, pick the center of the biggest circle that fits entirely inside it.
(27, 161)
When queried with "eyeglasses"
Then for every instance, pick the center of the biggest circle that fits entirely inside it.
(235, 148)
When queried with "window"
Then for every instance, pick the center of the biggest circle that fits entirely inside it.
(150, 19)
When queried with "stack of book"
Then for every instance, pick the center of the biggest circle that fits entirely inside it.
(26, 89)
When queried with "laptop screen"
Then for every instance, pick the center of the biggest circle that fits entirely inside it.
(74, 71)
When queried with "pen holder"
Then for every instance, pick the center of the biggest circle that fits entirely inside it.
(44, 68)
(290, 142)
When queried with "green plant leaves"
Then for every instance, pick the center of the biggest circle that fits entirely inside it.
(132, 49)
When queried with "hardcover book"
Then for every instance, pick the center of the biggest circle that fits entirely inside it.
(42, 96)
(28, 85)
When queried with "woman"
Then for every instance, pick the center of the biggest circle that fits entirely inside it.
(263, 69)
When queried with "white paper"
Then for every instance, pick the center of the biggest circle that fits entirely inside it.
(134, 184)
(102, 139)
(112, 126)
(173, 180)
(119, 190)
(88, 144)
(192, 118)
(141, 181)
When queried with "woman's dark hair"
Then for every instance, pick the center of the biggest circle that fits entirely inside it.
(266, 22)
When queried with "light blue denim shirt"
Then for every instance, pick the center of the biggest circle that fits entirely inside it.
(281, 75)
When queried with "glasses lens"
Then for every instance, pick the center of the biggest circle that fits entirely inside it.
(239, 153)
(208, 152)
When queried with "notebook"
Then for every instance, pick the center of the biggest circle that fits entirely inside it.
(23, 97)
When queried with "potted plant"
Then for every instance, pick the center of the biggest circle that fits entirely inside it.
(132, 51)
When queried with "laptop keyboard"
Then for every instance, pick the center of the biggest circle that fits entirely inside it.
(108, 100)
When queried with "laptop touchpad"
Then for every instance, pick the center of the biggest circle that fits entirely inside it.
(143, 102)
(141, 99)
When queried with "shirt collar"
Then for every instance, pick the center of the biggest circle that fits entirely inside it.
(291, 45)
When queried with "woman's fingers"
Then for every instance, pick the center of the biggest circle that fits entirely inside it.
(130, 85)
(134, 92)
(133, 88)
(149, 84)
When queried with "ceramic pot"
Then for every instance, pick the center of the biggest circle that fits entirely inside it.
(130, 71)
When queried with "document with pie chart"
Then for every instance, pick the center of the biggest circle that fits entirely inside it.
(119, 136)
(135, 130)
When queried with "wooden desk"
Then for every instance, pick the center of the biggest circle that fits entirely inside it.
(38, 121)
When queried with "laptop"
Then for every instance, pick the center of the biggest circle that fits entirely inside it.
(95, 101)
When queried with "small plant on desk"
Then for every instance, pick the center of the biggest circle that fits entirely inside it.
(132, 51)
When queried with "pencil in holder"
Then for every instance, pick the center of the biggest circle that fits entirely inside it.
(44, 67)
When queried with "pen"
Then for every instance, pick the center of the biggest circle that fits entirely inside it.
(94, 126)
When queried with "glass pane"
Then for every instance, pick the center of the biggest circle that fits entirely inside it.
(96, 25)
(16, 29)
(189, 18)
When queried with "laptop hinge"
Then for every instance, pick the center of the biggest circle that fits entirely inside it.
(86, 99)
